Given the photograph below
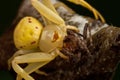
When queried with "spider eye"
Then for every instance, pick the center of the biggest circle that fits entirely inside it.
(51, 38)
(27, 32)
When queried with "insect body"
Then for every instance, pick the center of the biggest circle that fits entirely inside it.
(42, 43)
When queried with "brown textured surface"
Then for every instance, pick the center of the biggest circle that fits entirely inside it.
(7, 48)
(100, 66)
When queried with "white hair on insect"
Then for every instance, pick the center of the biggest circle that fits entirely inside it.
(97, 28)
(54, 1)
(62, 10)
(79, 19)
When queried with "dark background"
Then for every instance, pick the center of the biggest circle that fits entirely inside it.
(108, 8)
(8, 10)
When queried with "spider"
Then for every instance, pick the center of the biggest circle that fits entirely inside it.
(39, 45)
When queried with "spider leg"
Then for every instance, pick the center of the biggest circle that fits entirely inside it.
(49, 5)
(18, 53)
(35, 61)
(72, 28)
(88, 6)
(41, 72)
(61, 54)
(47, 12)
(33, 67)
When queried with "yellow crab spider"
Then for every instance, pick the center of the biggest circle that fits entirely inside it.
(39, 45)
(29, 36)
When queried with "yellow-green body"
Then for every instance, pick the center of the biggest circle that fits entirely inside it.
(27, 33)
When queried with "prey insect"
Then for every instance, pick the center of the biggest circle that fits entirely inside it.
(39, 45)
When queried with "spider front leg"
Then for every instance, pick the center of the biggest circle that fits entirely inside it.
(43, 10)
(18, 53)
(88, 6)
(35, 61)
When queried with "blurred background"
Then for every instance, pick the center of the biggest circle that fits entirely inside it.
(108, 8)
